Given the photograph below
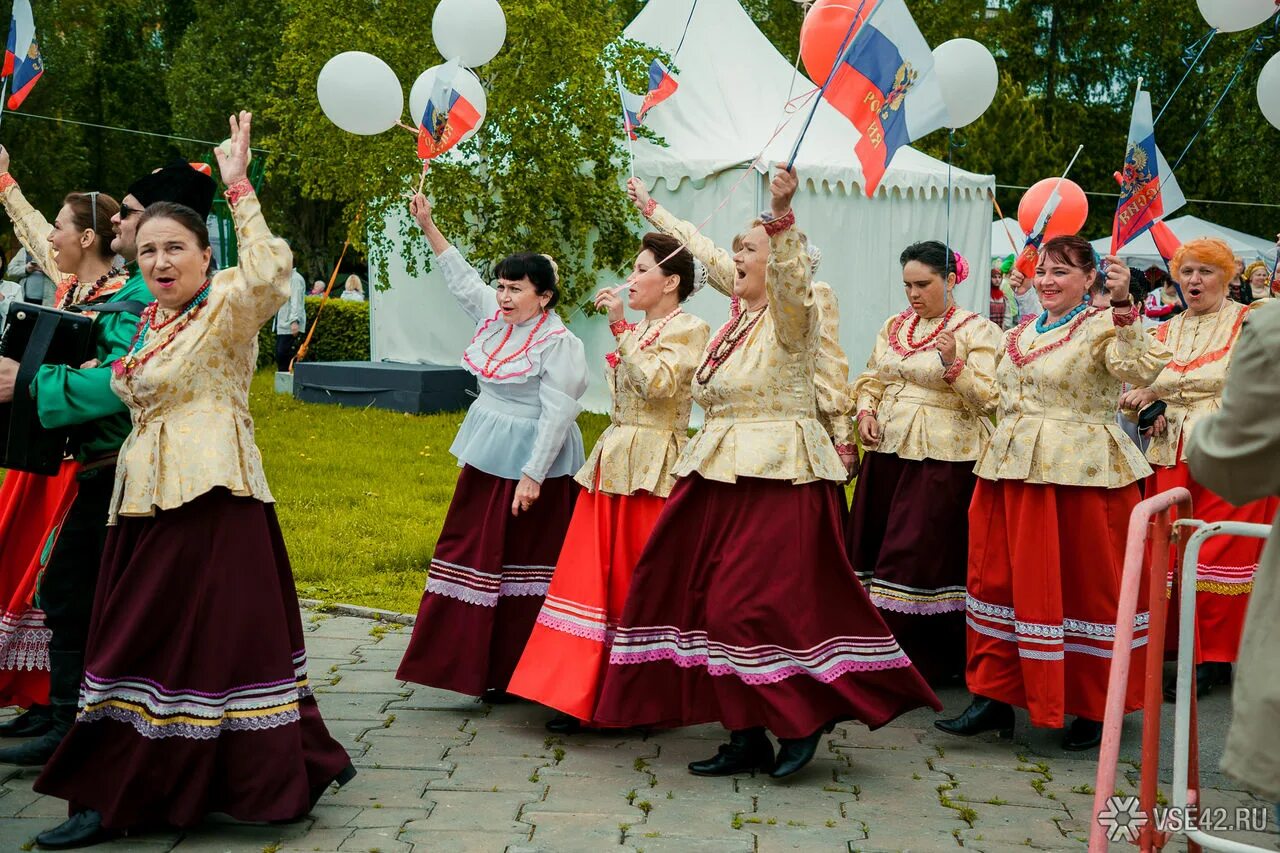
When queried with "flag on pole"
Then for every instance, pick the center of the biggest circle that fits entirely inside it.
(632, 108)
(885, 84)
(23, 65)
(1149, 190)
(662, 85)
(447, 117)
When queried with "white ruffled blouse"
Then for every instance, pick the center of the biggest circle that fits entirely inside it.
(524, 421)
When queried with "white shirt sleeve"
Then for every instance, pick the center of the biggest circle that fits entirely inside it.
(561, 385)
(474, 296)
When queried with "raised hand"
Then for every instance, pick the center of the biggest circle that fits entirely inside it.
(234, 164)
(4, 159)
(608, 301)
(638, 194)
(420, 209)
(1117, 281)
(783, 188)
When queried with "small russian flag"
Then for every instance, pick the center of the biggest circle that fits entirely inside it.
(22, 61)
(662, 85)
(447, 118)
(632, 110)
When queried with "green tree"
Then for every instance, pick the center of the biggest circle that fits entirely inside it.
(543, 172)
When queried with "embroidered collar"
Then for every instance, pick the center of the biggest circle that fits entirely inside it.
(1013, 346)
(1185, 367)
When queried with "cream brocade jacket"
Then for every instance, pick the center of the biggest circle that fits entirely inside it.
(761, 411)
(1191, 384)
(1058, 397)
(192, 431)
(926, 411)
(831, 379)
(649, 421)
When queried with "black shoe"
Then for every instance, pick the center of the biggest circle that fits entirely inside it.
(746, 750)
(564, 724)
(1082, 734)
(82, 829)
(499, 697)
(982, 715)
(1208, 676)
(348, 773)
(33, 722)
(33, 753)
(794, 753)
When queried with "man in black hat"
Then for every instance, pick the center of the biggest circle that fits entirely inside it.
(82, 398)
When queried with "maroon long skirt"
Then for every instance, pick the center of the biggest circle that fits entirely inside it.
(744, 610)
(908, 539)
(487, 581)
(195, 696)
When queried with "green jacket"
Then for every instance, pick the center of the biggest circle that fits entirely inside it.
(83, 399)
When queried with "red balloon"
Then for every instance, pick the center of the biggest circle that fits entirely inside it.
(1070, 215)
(824, 30)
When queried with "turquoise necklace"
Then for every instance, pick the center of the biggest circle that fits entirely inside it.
(1042, 326)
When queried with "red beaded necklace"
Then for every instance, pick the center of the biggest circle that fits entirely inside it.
(133, 361)
(726, 342)
(648, 340)
(491, 369)
(928, 339)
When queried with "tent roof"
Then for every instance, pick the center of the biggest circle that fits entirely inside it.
(733, 87)
(1000, 245)
(1187, 228)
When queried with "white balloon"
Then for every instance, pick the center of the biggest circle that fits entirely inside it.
(466, 84)
(1269, 90)
(470, 31)
(360, 93)
(1231, 16)
(968, 76)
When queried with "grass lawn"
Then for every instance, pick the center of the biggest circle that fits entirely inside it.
(361, 493)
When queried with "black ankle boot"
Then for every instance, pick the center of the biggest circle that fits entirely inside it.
(1208, 676)
(82, 829)
(499, 697)
(794, 753)
(1083, 734)
(747, 750)
(32, 722)
(65, 671)
(982, 715)
(564, 724)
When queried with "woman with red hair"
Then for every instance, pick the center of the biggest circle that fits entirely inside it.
(1202, 340)
(1056, 484)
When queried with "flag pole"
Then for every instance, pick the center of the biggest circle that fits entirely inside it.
(626, 122)
(4, 94)
(849, 38)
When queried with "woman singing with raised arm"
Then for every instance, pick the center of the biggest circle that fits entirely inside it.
(195, 696)
(743, 607)
(518, 448)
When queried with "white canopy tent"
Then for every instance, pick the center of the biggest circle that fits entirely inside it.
(1142, 251)
(1006, 238)
(733, 85)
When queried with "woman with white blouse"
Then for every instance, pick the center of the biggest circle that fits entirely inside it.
(519, 448)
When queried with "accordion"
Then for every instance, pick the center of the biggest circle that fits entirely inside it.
(34, 335)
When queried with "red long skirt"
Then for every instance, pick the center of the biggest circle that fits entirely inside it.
(32, 508)
(564, 662)
(1227, 565)
(1045, 564)
(908, 540)
(486, 584)
(195, 696)
(744, 610)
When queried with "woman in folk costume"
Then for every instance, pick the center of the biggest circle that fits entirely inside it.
(744, 609)
(1047, 526)
(75, 252)
(923, 415)
(1202, 339)
(195, 696)
(831, 375)
(518, 448)
(624, 484)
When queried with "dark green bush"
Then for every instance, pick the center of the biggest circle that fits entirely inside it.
(343, 334)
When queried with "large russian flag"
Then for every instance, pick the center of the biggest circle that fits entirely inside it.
(662, 85)
(22, 60)
(885, 84)
(1148, 188)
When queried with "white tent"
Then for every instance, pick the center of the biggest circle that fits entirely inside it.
(732, 87)
(1142, 251)
(1006, 238)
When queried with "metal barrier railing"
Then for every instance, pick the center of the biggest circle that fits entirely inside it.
(1155, 515)
(1186, 774)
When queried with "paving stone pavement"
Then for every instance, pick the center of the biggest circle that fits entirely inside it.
(440, 772)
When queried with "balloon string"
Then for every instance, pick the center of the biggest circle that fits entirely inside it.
(687, 22)
(407, 127)
(951, 146)
(1191, 66)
